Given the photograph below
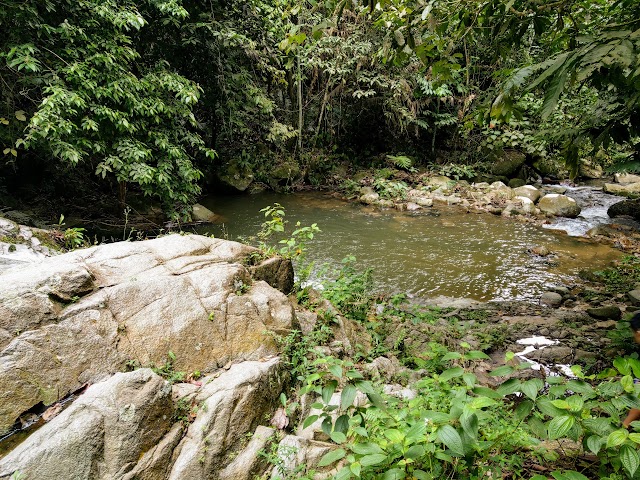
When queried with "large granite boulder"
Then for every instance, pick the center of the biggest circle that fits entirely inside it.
(101, 435)
(230, 406)
(559, 205)
(79, 317)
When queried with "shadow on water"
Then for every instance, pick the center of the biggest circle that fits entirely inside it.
(435, 252)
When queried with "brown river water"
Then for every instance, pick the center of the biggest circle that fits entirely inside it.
(439, 251)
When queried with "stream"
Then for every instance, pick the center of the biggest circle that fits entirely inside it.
(439, 251)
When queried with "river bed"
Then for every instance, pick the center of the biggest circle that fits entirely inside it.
(439, 251)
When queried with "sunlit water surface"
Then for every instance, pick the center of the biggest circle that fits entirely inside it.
(456, 254)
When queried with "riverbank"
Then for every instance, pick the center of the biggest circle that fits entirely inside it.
(228, 355)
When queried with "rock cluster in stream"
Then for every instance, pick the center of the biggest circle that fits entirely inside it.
(496, 198)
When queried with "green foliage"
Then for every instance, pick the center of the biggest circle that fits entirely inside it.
(454, 427)
(98, 102)
(622, 277)
(391, 189)
(292, 247)
(168, 371)
(351, 291)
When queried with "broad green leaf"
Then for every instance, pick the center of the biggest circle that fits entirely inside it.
(594, 443)
(627, 383)
(342, 424)
(348, 395)
(336, 370)
(561, 404)
(451, 438)
(338, 437)
(394, 435)
(332, 457)
(502, 371)
(523, 410)
(482, 402)
(451, 356)
(355, 467)
(476, 355)
(416, 432)
(469, 379)
(327, 391)
(617, 437)
(345, 473)
(634, 437)
(579, 386)
(451, 373)
(560, 426)
(622, 365)
(415, 452)
(531, 388)
(469, 422)
(373, 459)
(309, 420)
(21, 116)
(510, 386)
(366, 448)
(629, 459)
(575, 403)
(394, 474)
(546, 406)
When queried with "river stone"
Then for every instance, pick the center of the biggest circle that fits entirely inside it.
(551, 299)
(520, 206)
(79, 317)
(101, 435)
(231, 405)
(440, 181)
(634, 296)
(508, 163)
(631, 190)
(559, 205)
(626, 178)
(369, 198)
(517, 182)
(236, 176)
(200, 213)
(630, 208)
(529, 191)
(605, 312)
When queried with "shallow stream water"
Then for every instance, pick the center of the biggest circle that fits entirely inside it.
(442, 251)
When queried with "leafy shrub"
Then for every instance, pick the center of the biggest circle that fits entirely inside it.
(351, 291)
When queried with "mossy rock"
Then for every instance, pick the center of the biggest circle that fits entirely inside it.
(508, 163)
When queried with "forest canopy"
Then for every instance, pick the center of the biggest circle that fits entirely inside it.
(156, 96)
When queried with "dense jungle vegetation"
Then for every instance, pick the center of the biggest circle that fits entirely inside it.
(160, 96)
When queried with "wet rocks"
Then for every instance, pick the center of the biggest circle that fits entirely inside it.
(559, 205)
(631, 190)
(605, 312)
(629, 208)
(551, 299)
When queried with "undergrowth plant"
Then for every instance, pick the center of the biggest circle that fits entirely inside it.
(457, 428)
(292, 247)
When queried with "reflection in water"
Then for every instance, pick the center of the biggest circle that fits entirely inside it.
(456, 254)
